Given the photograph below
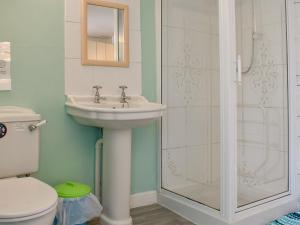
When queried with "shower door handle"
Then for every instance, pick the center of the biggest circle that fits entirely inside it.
(239, 70)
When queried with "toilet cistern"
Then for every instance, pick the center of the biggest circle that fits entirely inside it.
(24, 200)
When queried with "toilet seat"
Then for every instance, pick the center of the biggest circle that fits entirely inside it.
(25, 198)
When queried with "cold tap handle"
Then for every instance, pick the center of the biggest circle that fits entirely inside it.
(123, 87)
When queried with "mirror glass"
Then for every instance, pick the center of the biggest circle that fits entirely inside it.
(105, 40)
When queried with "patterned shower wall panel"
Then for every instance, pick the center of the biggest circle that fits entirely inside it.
(174, 168)
(259, 167)
(189, 48)
(190, 89)
(270, 46)
(175, 134)
(198, 126)
(262, 99)
(198, 159)
(187, 166)
(270, 20)
(263, 126)
(193, 15)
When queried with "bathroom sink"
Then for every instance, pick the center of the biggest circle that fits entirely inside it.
(110, 113)
(117, 120)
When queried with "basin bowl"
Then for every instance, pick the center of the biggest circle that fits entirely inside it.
(112, 114)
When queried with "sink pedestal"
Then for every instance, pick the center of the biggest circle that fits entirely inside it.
(116, 177)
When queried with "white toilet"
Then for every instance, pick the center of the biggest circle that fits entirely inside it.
(23, 200)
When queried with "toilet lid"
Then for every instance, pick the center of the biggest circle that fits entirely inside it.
(21, 197)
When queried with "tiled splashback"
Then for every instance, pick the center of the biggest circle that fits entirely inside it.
(80, 79)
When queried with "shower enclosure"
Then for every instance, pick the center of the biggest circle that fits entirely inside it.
(227, 137)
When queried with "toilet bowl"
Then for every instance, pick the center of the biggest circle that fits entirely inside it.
(26, 201)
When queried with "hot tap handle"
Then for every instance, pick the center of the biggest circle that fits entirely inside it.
(123, 87)
(97, 87)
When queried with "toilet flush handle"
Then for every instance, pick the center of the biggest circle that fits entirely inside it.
(33, 127)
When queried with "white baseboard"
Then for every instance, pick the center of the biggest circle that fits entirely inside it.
(143, 199)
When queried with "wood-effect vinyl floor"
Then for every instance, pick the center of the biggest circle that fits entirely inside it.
(153, 215)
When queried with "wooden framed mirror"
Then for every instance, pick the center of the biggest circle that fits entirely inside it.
(104, 34)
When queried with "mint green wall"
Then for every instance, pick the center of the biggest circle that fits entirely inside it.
(36, 30)
(144, 144)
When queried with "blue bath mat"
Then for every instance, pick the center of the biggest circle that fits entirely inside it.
(290, 219)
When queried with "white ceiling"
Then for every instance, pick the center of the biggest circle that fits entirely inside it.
(100, 21)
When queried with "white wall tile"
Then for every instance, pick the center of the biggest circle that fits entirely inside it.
(246, 47)
(298, 126)
(82, 78)
(215, 53)
(72, 40)
(174, 168)
(298, 97)
(297, 10)
(176, 87)
(111, 78)
(272, 11)
(215, 88)
(165, 84)
(134, 14)
(164, 8)
(297, 23)
(246, 12)
(193, 15)
(198, 126)
(198, 48)
(176, 127)
(276, 166)
(135, 46)
(215, 124)
(267, 86)
(216, 153)
(79, 79)
(298, 53)
(274, 39)
(72, 10)
(198, 163)
(175, 48)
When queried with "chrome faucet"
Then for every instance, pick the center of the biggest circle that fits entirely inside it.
(98, 97)
(124, 97)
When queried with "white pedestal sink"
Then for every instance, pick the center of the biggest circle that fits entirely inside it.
(117, 119)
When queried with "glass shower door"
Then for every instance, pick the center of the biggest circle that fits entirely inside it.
(262, 103)
(190, 89)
